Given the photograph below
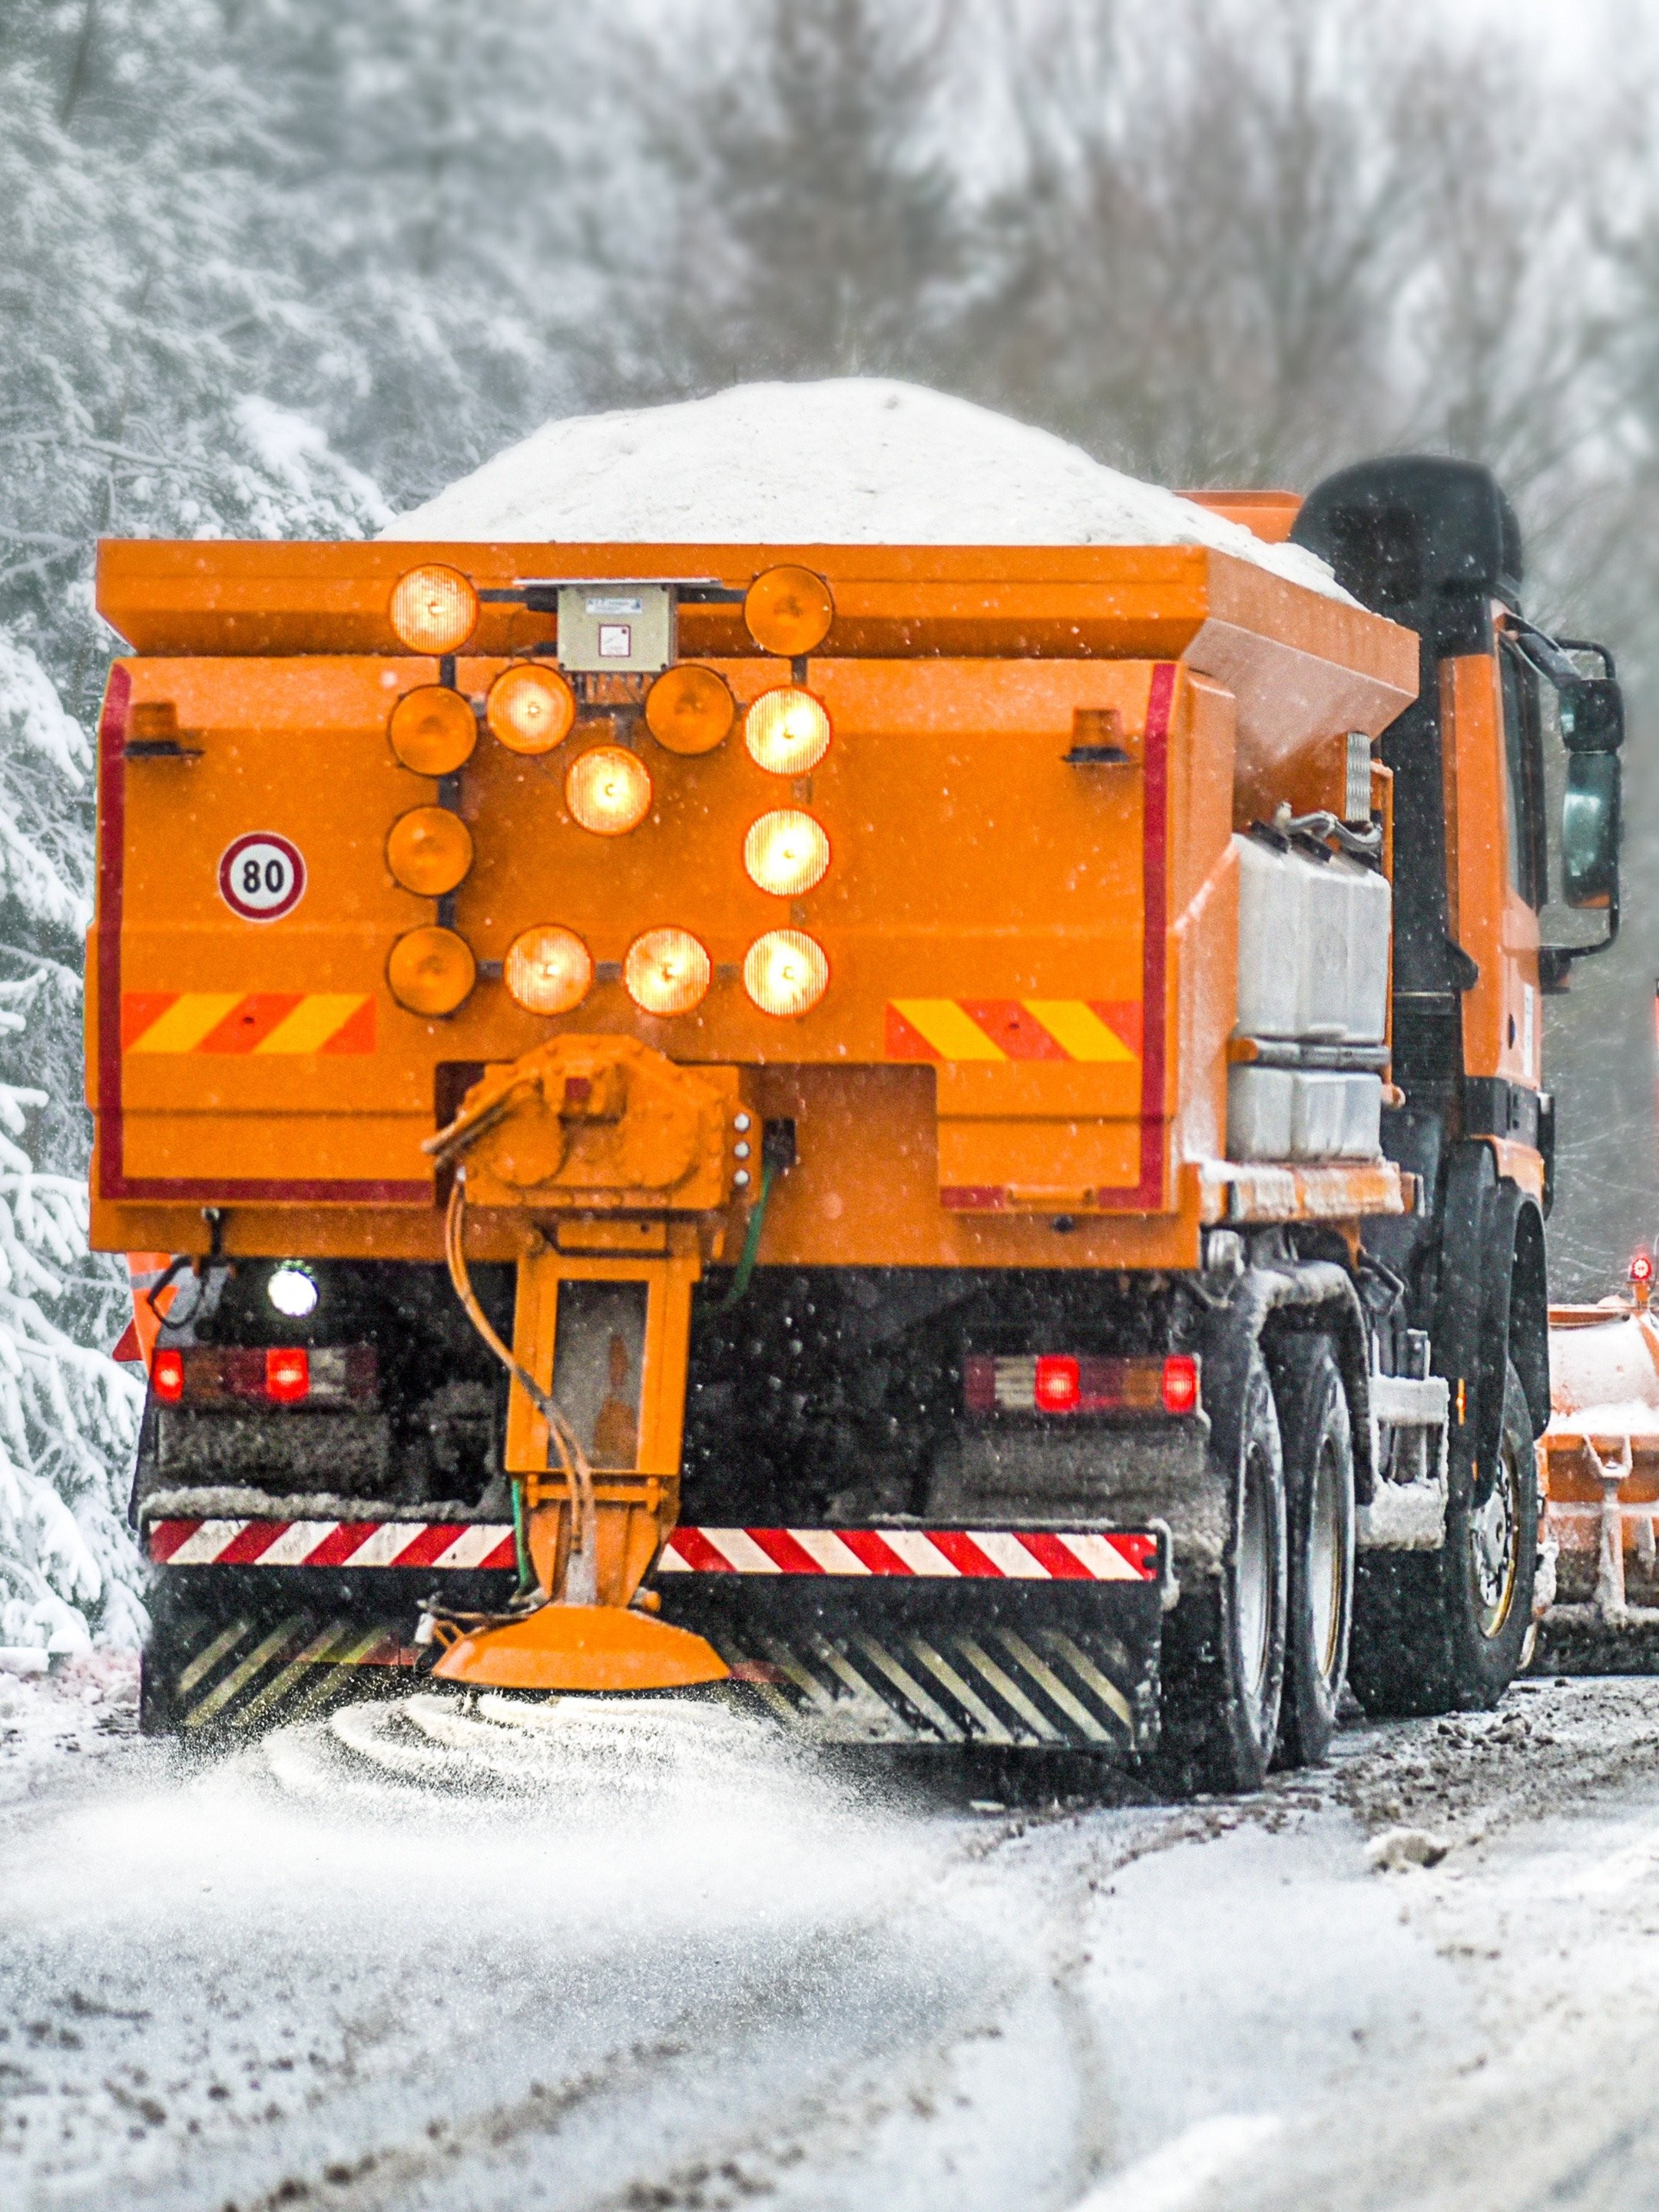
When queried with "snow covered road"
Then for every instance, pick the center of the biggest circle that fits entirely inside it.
(421, 1957)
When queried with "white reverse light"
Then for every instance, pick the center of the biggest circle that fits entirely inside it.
(293, 1291)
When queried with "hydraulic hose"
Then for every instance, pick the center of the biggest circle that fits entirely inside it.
(745, 1266)
(580, 1584)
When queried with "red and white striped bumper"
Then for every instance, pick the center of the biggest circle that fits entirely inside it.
(456, 1544)
(1003, 1635)
(973, 1554)
(944, 1554)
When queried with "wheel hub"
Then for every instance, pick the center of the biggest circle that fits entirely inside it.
(1254, 1574)
(1493, 1548)
(1325, 1562)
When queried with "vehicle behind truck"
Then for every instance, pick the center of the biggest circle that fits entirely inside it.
(945, 1142)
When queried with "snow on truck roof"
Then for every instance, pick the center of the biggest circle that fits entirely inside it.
(853, 461)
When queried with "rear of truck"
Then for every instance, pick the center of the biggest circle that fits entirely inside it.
(752, 1121)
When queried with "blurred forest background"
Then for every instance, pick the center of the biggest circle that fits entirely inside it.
(282, 267)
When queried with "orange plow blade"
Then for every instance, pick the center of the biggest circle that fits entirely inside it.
(581, 1647)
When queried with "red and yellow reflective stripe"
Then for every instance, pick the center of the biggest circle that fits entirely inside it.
(1096, 1030)
(275, 1022)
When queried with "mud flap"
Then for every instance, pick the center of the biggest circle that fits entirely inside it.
(231, 1654)
(1050, 1661)
(1056, 1664)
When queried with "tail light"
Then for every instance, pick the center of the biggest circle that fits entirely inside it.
(1180, 1383)
(1057, 1384)
(288, 1376)
(1062, 1382)
(276, 1375)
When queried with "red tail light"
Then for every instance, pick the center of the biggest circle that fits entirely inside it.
(1064, 1383)
(288, 1376)
(1057, 1386)
(1180, 1383)
(322, 1377)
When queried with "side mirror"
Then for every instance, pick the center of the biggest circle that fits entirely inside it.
(1591, 827)
(1593, 716)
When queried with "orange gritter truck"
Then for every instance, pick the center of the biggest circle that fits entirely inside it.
(945, 1142)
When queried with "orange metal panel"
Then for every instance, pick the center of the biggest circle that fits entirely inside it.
(1119, 601)
(1502, 1025)
(1520, 1163)
(264, 1064)
(1270, 515)
(945, 797)
(262, 597)
(864, 1193)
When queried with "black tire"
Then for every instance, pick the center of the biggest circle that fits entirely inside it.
(1317, 1439)
(1224, 1645)
(1436, 1631)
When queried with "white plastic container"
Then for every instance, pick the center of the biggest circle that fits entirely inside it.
(1303, 1113)
(1313, 946)
(1366, 899)
(1362, 1117)
(1272, 887)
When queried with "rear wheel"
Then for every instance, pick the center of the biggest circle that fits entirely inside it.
(1436, 1630)
(1224, 1645)
(1318, 1448)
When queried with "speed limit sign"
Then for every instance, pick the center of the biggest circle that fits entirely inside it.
(262, 877)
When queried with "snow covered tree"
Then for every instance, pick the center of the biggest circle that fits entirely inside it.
(69, 1415)
(425, 170)
(139, 325)
(803, 212)
(130, 404)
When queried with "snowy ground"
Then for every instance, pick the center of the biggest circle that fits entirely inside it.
(424, 1957)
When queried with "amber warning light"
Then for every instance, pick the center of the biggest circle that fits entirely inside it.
(433, 608)
(1064, 1383)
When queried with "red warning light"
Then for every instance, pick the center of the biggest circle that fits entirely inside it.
(166, 1376)
(1059, 1385)
(288, 1376)
(1641, 1268)
(1180, 1383)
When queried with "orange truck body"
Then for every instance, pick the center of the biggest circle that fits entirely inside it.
(1030, 992)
